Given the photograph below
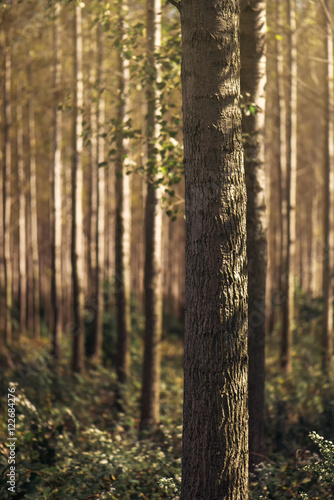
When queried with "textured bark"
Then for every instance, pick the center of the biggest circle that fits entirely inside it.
(215, 415)
(285, 355)
(327, 282)
(292, 174)
(253, 82)
(100, 207)
(123, 213)
(57, 195)
(153, 230)
(77, 250)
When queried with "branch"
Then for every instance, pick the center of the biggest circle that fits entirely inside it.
(176, 4)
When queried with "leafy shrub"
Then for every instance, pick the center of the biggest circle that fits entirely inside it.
(78, 437)
(305, 476)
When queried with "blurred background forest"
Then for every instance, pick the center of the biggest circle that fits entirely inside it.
(92, 248)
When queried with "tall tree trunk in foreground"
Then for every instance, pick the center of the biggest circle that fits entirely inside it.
(77, 250)
(123, 214)
(327, 282)
(22, 216)
(215, 414)
(153, 229)
(57, 194)
(253, 81)
(292, 176)
(100, 207)
(285, 355)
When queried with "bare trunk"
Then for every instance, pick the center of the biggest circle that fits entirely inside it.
(285, 356)
(100, 208)
(2, 174)
(8, 198)
(123, 216)
(327, 284)
(153, 230)
(314, 228)
(57, 195)
(92, 255)
(77, 251)
(34, 222)
(292, 177)
(22, 216)
(253, 82)
(67, 251)
(215, 414)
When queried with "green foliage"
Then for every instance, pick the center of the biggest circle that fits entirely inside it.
(171, 486)
(323, 469)
(78, 436)
(305, 476)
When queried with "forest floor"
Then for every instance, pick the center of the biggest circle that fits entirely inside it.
(78, 436)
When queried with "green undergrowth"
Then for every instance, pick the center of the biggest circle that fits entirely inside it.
(299, 417)
(78, 436)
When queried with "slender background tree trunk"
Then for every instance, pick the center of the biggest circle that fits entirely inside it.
(292, 173)
(100, 212)
(123, 211)
(77, 252)
(22, 188)
(34, 221)
(327, 281)
(8, 263)
(253, 81)
(285, 355)
(57, 194)
(153, 229)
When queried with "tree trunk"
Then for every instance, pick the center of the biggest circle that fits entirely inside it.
(153, 229)
(100, 207)
(57, 194)
(92, 264)
(2, 180)
(123, 214)
(253, 82)
(215, 414)
(327, 322)
(22, 216)
(77, 250)
(8, 198)
(67, 251)
(292, 176)
(285, 355)
(34, 221)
